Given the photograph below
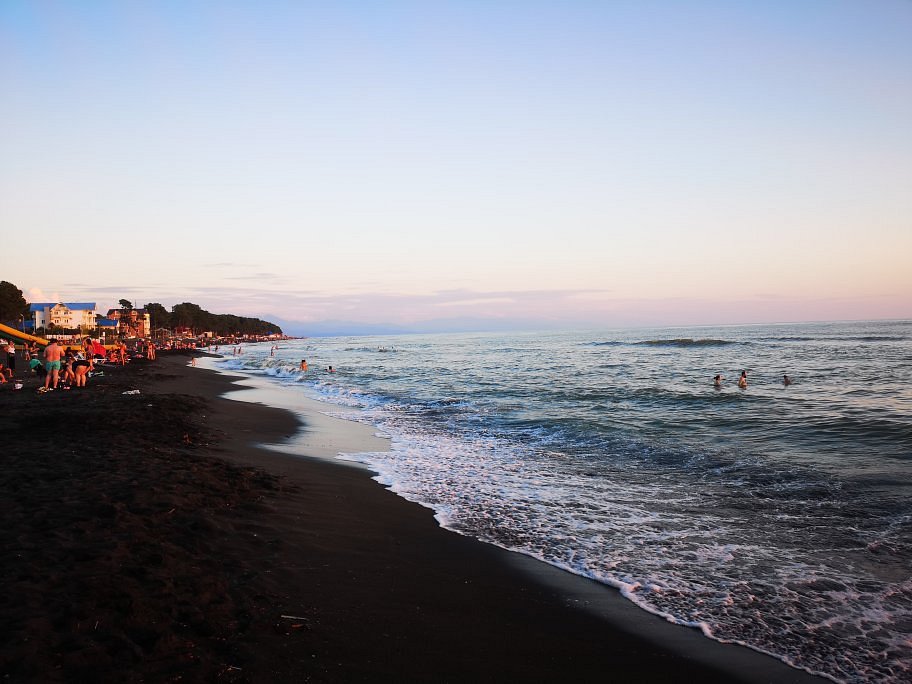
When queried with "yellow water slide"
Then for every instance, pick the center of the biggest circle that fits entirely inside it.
(7, 331)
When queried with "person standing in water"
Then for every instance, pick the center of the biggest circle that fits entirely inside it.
(786, 380)
(742, 381)
(717, 381)
(304, 365)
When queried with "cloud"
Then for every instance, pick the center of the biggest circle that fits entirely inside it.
(36, 294)
(477, 301)
(255, 277)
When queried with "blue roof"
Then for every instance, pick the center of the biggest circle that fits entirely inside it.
(72, 306)
(105, 322)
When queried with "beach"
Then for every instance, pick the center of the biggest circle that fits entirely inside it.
(148, 537)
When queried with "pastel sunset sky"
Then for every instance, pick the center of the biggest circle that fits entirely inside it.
(565, 163)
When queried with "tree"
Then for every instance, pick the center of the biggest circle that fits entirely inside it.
(12, 303)
(125, 304)
(187, 315)
(159, 316)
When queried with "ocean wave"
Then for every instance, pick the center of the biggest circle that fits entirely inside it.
(876, 338)
(676, 342)
(891, 433)
(687, 342)
(787, 339)
(851, 338)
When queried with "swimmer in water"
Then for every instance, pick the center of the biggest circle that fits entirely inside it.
(303, 364)
(786, 380)
(717, 382)
(742, 381)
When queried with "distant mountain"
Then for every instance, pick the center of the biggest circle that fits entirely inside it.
(337, 328)
(442, 325)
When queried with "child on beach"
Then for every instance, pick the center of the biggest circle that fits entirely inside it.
(36, 367)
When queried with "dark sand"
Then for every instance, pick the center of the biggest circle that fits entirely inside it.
(146, 538)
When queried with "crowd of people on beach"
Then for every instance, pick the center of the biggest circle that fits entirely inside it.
(59, 367)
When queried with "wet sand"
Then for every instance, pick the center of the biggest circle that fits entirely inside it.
(147, 537)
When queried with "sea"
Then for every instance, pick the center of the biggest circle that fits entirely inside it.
(778, 516)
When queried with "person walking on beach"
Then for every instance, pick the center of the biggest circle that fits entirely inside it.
(742, 381)
(52, 355)
(11, 358)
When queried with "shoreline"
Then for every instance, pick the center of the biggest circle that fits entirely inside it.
(736, 662)
(297, 568)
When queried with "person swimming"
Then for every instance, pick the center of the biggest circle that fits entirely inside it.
(717, 381)
(742, 381)
(786, 380)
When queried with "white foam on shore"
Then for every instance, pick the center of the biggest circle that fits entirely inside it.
(323, 435)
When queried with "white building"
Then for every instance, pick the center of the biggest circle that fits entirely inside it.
(68, 315)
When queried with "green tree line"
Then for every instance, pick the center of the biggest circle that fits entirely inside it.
(14, 308)
(199, 320)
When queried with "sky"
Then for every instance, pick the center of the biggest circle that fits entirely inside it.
(476, 164)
